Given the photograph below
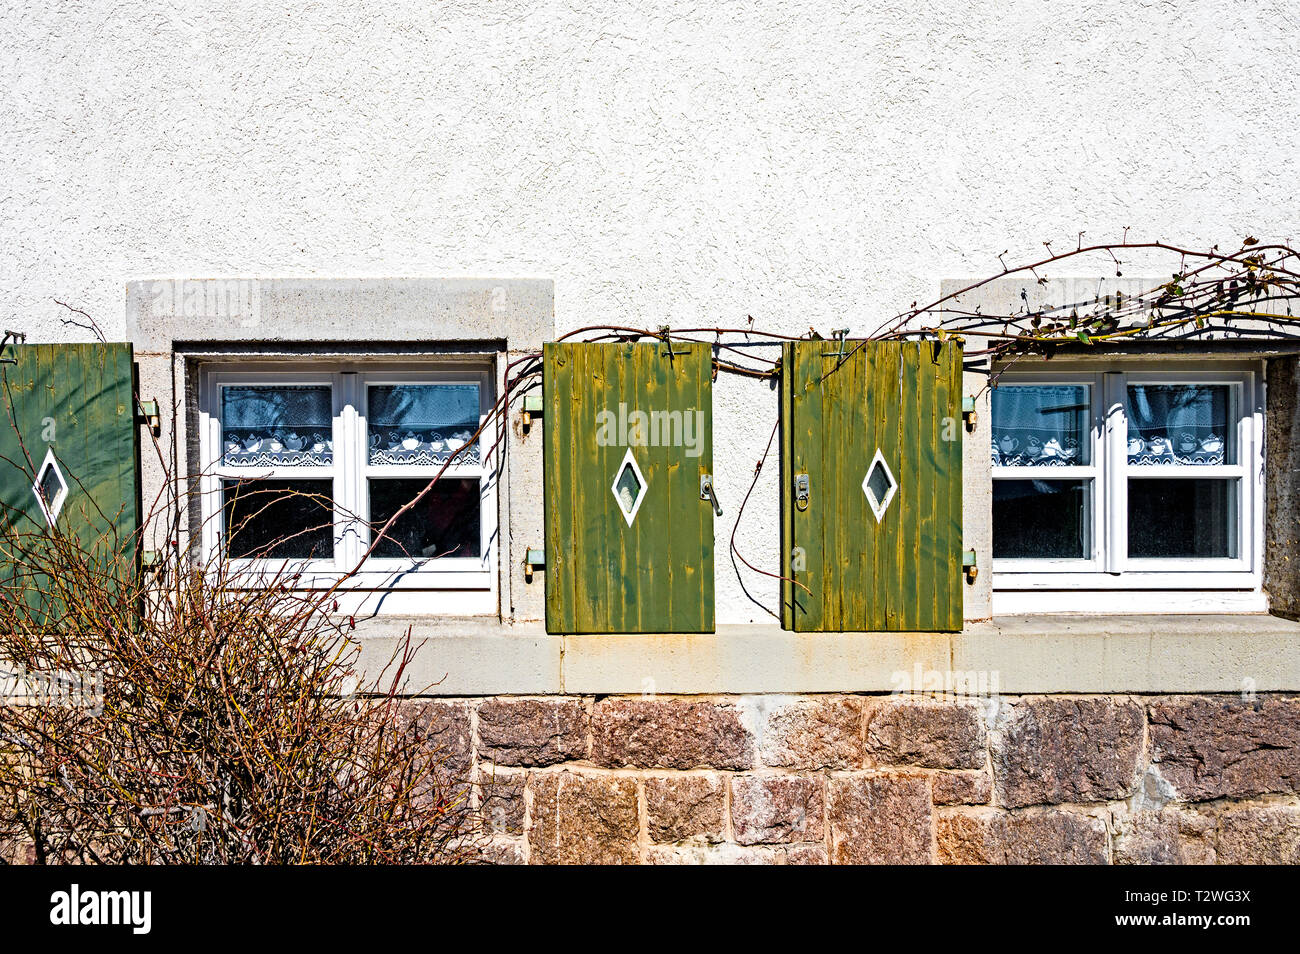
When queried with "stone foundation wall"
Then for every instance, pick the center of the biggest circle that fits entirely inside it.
(868, 778)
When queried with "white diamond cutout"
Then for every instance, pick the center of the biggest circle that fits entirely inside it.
(879, 485)
(628, 487)
(50, 488)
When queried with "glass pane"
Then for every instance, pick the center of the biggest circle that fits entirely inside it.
(629, 489)
(51, 483)
(1041, 519)
(1179, 424)
(445, 523)
(1041, 425)
(878, 483)
(1182, 518)
(423, 423)
(273, 425)
(281, 519)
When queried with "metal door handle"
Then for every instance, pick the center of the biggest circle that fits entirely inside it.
(706, 493)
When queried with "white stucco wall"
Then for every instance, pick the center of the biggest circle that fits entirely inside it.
(807, 164)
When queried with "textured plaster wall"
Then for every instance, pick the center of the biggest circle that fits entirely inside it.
(807, 163)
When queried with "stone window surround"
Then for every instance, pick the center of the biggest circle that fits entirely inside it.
(509, 316)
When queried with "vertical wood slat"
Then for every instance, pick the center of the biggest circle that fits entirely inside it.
(903, 573)
(603, 576)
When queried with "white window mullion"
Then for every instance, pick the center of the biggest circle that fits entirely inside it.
(350, 469)
(211, 499)
(1100, 495)
(1114, 470)
(1251, 424)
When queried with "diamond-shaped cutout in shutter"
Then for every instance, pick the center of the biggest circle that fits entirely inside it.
(629, 487)
(50, 488)
(879, 485)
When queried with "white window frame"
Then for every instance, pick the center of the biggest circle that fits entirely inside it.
(459, 586)
(1026, 585)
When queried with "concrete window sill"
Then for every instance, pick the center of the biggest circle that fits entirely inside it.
(1023, 654)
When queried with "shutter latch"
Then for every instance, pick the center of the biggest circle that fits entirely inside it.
(149, 415)
(706, 493)
(801, 494)
(968, 565)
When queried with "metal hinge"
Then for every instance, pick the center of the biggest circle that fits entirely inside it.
(532, 407)
(151, 562)
(533, 560)
(149, 415)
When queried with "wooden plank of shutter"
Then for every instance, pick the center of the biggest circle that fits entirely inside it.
(839, 405)
(602, 575)
(83, 397)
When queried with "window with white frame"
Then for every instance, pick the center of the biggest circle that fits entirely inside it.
(304, 466)
(1139, 477)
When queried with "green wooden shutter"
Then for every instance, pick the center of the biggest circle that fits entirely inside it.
(606, 571)
(894, 406)
(68, 416)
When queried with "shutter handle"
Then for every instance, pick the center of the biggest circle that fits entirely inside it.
(706, 493)
(801, 493)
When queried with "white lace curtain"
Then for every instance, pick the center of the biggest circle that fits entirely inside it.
(277, 425)
(1177, 423)
(422, 423)
(1041, 425)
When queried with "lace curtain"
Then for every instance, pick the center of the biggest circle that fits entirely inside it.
(423, 423)
(277, 425)
(1178, 423)
(1049, 425)
(1041, 425)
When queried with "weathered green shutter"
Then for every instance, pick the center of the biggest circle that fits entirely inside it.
(75, 402)
(841, 404)
(606, 572)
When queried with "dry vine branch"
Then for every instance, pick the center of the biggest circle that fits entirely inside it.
(1242, 295)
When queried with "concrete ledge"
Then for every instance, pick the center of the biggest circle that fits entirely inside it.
(747, 659)
(467, 661)
(1153, 654)
(162, 312)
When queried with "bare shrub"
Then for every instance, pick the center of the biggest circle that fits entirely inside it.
(182, 716)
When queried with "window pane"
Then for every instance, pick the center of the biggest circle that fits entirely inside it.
(1179, 424)
(444, 523)
(1041, 519)
(1182, 518)
(281, 519)
(423, 423)
(273, 425)
(1041, 425)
